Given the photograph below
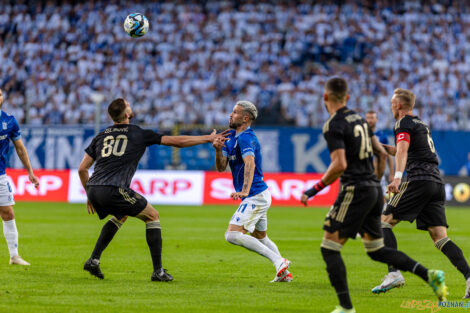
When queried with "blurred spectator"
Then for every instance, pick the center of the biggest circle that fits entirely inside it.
(199, 57)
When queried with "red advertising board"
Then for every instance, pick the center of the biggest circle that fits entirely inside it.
(53, 185)
(170, 187)
(285, 188)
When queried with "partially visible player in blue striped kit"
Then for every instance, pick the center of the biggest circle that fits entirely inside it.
(242, 152)
(10, 130)
(372, 119)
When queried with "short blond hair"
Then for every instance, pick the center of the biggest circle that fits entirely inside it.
(406, 97)
(248, 108)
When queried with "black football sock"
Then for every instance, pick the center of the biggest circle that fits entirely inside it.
(399, 260)
(154, 241)
(454, 254)
(390, 241)
(107, 233)
(337, 274)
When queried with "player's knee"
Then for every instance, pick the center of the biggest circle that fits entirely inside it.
(259, 234)
(234, 237)
(7, 214)
(374, 248)
(437, 233)
(386, 225)
(152, 215)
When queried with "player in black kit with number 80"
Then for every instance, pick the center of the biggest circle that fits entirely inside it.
(116, 151)
(359, 204)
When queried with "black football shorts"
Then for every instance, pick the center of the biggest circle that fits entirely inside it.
(357, 209)
(117, 201)
(420, 200)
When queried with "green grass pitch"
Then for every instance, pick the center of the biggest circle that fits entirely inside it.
(210, 274)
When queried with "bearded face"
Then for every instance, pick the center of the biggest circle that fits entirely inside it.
(236, 117)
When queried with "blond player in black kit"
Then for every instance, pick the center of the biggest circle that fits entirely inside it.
(422, 196)
(116, 152)
(359, 205)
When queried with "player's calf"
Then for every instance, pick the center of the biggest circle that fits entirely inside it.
(378, 252)
(253, 244)
(336, 270)
(108, 231)
(454, 254)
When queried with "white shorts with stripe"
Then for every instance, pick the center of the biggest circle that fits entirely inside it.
(253, 212)
(6, 192)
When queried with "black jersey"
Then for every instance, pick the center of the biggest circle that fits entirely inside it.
(348, 130)
(117, 151)
(422, 158)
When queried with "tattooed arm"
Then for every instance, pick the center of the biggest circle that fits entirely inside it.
(249, 161)
(221, 161)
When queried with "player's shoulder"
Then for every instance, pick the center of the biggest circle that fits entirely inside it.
(248, 134)
(339, 120)
(331, 122)
(248, 138)
(409, 122)
(6, 117)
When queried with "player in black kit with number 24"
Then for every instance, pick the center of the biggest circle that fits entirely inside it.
(116, 151)
(359, 204)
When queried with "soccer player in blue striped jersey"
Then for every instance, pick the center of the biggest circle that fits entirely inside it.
(372, 119)
(10, 130)
(243, 152)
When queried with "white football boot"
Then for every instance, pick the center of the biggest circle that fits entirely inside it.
(286, 278)
(340, 309)
(281, 267)
(391, 280)
(18, 261)
(467, 290)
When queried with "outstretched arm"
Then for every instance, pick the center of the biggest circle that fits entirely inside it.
(337, 167)
(189, 141)
(249, 161)
(23, 155)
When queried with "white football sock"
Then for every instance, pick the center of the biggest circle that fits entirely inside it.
(253, 244)
(270, 244)
(11, 235)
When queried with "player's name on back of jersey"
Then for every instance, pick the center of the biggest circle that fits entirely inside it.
(115, 129)
(352, 118)
(417, 120)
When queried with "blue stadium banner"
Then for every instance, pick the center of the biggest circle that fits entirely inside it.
(285, 149)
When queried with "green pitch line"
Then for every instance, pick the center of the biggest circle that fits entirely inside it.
(210, 274)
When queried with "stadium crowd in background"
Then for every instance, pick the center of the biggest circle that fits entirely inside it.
(199, 57)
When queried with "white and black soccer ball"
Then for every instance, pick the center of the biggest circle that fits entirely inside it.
(136, 25)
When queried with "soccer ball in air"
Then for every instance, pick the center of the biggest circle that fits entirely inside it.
(136, 25)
